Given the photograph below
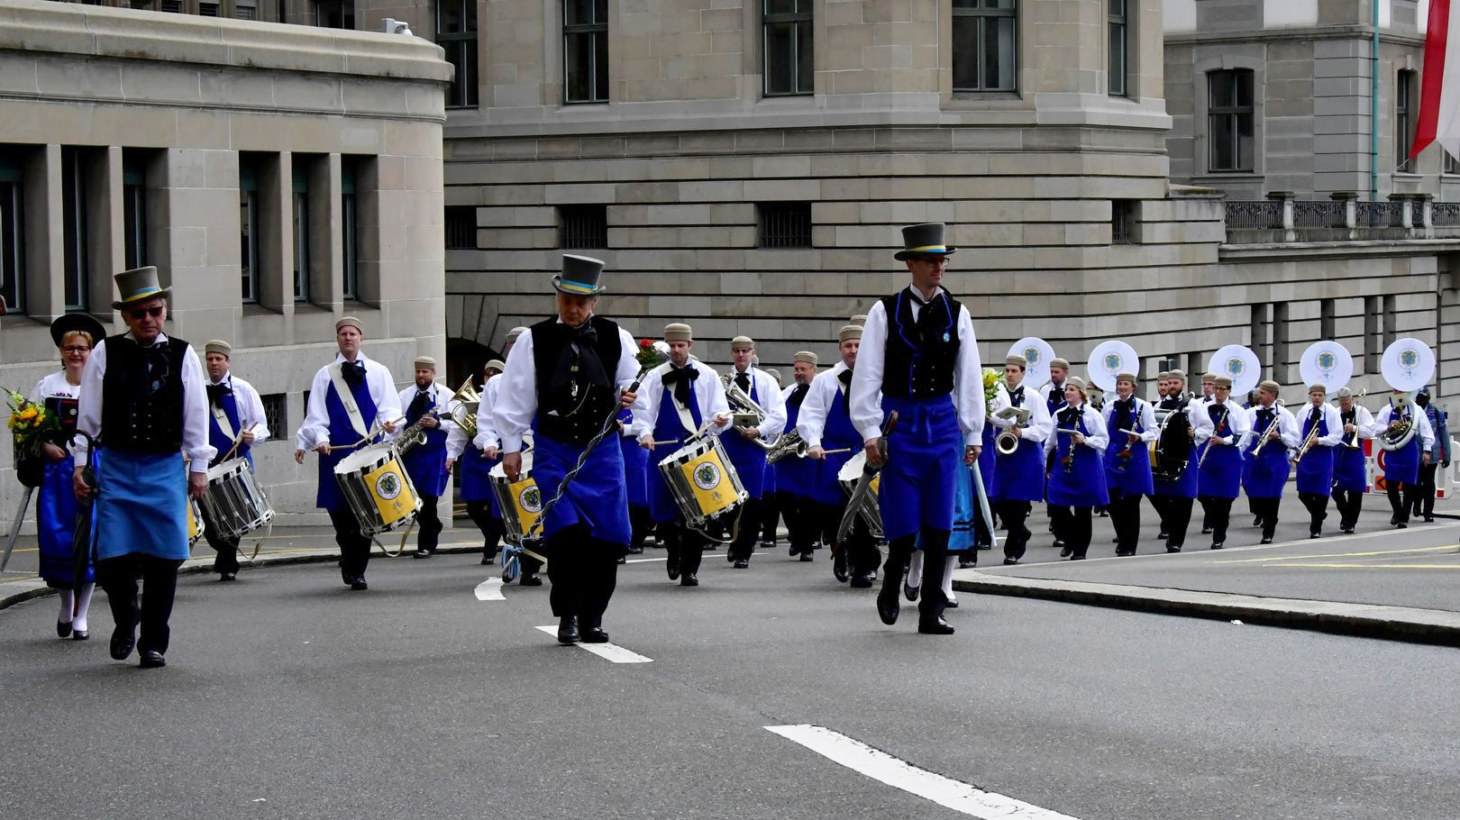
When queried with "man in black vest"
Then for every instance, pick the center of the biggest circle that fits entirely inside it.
(566, 379)
(919, 351)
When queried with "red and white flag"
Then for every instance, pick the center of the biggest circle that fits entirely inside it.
(1439, 98)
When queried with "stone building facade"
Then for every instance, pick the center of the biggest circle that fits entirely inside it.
(278, 176)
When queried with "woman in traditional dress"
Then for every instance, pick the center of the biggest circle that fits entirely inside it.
(1077, 475)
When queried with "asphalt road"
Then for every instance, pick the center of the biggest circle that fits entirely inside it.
(288, 696)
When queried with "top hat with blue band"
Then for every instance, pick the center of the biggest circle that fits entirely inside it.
(138, 285)
(580, 276)
(925, 239)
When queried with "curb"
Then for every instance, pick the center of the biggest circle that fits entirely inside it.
(1427, 626)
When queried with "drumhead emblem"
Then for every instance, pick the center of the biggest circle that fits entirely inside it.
(530, 499)
(387, 486)
(707, 476)
(1326, 362)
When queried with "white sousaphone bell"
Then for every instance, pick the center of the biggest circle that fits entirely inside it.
(1108, 360)
(1407, 366)
(1239, 364)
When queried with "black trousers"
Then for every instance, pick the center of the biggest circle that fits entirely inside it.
(428, 524)
(1424, 491)
(227, 548)
(354, 547)
(1159, 503)
(1125, 516)
(1218, 514)
(490, 525)
(1073, 526)
(152, 607)
(1014, 514)
(641, 522)
(862, 554)
(1401, 500)
(749, 530)
(802, 520)
(1317, 505)
(686, 547)
(584, 573)
(1266, 510)
(1349, 503)
(932, 602)
(1175, 520)
(770, 518)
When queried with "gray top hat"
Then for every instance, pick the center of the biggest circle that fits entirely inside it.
(580, 276)
(924, 239)
(138, 285)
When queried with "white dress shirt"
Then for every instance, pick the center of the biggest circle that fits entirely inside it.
(1149, 432)
(250, 407)
(709, 395)
(1330, 415)
(54, 386)
(515, 406)
(769, 399)
(1424, 431)
(825, 391)
(1097, 439)
(316, 427)
(1363, 422)
(1040, 425)
(871, 359)
(440, 403)
(1287, 428)
(486, 430)
(1237, 424)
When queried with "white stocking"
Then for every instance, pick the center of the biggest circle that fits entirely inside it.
(948, 576)
(83, 605)
(915, 569)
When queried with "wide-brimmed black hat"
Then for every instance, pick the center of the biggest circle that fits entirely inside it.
(138, 284)
(580, 276)
(76, 321)
(924, 239)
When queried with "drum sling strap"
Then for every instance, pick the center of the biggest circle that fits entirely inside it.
(337, 378)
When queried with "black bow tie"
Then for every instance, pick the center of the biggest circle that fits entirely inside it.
(216, 392)
(1017, 395)
(845, 377)
(742, 380)
(1125, 404)
(419, 405)
(353, 372)
(680, 379)
(798, 395)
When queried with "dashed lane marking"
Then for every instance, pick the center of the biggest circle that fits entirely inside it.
(607, 651)
(489, 590)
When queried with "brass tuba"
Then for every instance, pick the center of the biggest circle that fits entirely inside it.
(464, 411)
(746, 412)
(1402, 426)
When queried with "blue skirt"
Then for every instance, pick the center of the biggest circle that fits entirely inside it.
(823, 485)
(1132, 475)
(920, 480)
(1315, 471)
(55, 514)
(1350, 472)
(141, 505)
(597, 497)
(636, 470)
(426, 465)
(795, 476)
(1083, 485)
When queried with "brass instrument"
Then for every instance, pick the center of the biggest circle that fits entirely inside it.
(1347, 442)
(1007, 443)
(746, 413)
(789, 444)
(464, 413)
(1308, 442)
(1277, 418)
(1401, 426)
(413, 436)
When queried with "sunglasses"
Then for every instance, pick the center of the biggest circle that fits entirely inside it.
(155, 313)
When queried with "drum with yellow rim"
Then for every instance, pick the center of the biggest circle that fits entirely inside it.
(703, 481)
(520, 501)
(377, 488)
(869, 510)
(195, 522)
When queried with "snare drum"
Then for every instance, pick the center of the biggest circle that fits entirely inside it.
(869, 510)
(195, 522)
(235, 502)
(377, 488)
(703, 482)
(520, 501)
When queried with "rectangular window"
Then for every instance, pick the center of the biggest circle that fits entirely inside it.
(1122, 221)
(1118, 31)
(1404, 111)
(1257, 332)
(787, 41)
(301, 235)
(1230, 116)
(1327, 320)
(1373, 333)
(456, 32)
(12, 234)
(1390, 324)
(134, 212)
(1451, 165)
(784, 224)
(585, 51)
(1280, 327)
(582, 226)
(73, 226)
(246, 9)
(335, 14)
(985, 48)
(248, 222)
(461, 227)
(276, 414)
(349, 230)
(208, 9)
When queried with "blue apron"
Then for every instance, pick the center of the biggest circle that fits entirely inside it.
(1350, 472)
(56, 506)
(1018, 476)
(141, 505)
(636, 465)
(747, 458)
(342, 435)
(668, 427)
(1315, 471)
(1266, 472)
(1402, 466)
(839, 434)
(220, 440)
(1221, 470)
(426, 463)
(476, 484)
(920, 480)
(797, 475)
(1077, 478)
(597, 497)
(1127, 469)
(1185, 485)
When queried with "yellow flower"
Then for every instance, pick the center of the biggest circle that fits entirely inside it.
(27, 414)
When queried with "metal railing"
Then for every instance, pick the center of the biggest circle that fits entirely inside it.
(1342, 217)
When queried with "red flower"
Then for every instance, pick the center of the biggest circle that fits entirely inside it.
(645, 343)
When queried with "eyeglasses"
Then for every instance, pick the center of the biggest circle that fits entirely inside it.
(153, 312)
(70, 349)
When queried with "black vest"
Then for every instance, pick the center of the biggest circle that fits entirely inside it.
(573, 396)
(920, 355)
(142, 405)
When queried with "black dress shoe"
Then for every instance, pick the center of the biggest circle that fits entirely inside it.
(1314, 535)
(152, 659)
(689, 580)
(909, 591)
(1067, 552)
(1265, 540)
(80, 635)
(839, 565)
(887, 605)
(1124, 553)
(1429, 519)
(635, 550)
(359, 583)
(1163, 535)
(568, 630)
(967, 563)
(1173, 549)
(1402, 525)
(672, 567)
(488, 559)
(420, 553)
(863, 581)
(935, 626)
(1077, 557)
(795, 550)
(808, 556)
(741, 563)
(1009, 562)
(952, 604)
(594, 634)
(63, 629)
(346, 577)
(529, 581)
(1206, 530)
(1393, 519)
(227, 576)
(122, 642)
(1217, 545)
(729, 556)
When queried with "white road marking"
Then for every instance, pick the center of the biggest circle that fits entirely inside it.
(645, 560)
(607, 651)
(490, 590)
(883, 767)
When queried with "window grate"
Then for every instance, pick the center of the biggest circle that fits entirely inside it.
(784, 224)
(1122, 221)
(461, 227)
(276, 415)
(582, 226)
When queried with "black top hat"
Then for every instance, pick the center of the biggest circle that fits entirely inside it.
(77, 321)
(924, 239)
(137, 285)
(580, 276)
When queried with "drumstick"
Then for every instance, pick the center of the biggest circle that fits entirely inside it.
(234, 448)
(1063, 430)
(834, 452)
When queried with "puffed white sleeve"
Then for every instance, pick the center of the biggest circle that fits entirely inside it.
(1426, 431)
(88, 407)
(866, 387)
(811, 421)
(388, 402)
(646, 406)
(1241, 422)
(1041, 424)
(1288, 430)
(716, 403)
(516, 404)
(256, 415)
(315, 429)
(1001, 403)
(967, 381)
(1099, 436)
(1335, 426)
(195, 414)
(774, 406)
(1149, 431)
(1364, 420)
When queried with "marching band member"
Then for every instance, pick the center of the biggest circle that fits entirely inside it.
(1268, 474)
(1220, 466)
(565, 379)
(1019, 476)
(1208, 388)
(1401, 467)
(1077, 479)
(1176, 496)
(679, 397)
(1158, 502)
(478, 456)
(796, 478)
(744, 453)
(1350, 478)
(770, 519)
(346, 398)
(237, 415)
(1208, 395)
(144, 403)
(921, 359)
(825, 423)
(1315, 464)
(429, 405)
(1132, 427)
(1054, 392)
(1424, 503)
(75, 335)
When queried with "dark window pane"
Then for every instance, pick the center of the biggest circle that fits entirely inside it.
(600, 66)
(1221, 142)
(999, 54)
(965, 60)
(805, 62)
(779, 69)
(1220, 90)
(1245, 143)
(1243, 81)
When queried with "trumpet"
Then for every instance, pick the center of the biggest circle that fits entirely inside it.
(464, 412)
(1307, 444)
(747, 413)
(1271, 428)
(1353, 443)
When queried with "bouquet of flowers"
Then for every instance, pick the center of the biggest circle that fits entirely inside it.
(651, 354)
(29, 425)
(991, 379)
